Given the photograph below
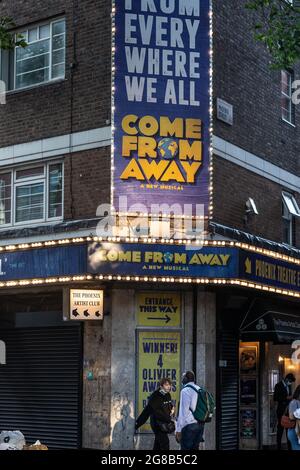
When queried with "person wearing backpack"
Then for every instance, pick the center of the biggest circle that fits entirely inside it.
(195, 409)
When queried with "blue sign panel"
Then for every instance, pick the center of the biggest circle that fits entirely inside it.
(162, 103)
(43, 263)
(161, 260)
(269, 271)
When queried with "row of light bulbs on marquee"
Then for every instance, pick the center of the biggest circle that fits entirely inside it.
(147, 279)
(151, 240)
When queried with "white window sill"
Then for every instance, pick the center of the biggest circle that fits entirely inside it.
(30, 224)
(288, 122)
(33, 87)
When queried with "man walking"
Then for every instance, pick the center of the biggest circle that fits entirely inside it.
(283, 395)
(189, 431)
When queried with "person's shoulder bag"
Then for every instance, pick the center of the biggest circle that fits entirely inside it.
(286, 422)
(168, 428)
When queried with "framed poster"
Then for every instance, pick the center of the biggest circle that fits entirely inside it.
(157, 309)
(248, 360)
(248, 391)
(159, 356)
(248, 424)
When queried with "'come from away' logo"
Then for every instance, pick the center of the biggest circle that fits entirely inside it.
(158, 257)
(161, 150)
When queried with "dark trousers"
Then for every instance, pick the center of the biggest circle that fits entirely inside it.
(161, 441)
(191, 436)
(280, 430)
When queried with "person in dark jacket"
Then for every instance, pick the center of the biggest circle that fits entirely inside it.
(160, 410)
(283, 395)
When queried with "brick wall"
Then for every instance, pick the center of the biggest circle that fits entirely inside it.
(71, 105)
(242, 77)
(233, 186)
(87, 182)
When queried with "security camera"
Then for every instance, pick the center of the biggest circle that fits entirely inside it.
(251, 206)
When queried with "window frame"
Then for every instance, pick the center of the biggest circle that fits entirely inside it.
(15, 183)
(50, 79)
(289, 217)
(286, 195)
(288, 220)
(291, 110)
(4, 172)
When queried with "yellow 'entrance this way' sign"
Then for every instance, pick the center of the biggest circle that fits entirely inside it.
(158, 309)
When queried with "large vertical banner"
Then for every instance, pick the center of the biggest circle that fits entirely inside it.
(162, 103)
(158, 357)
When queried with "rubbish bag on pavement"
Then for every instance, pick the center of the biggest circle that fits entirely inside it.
(11, 440)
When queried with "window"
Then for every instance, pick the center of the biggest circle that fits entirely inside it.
(31, 195)
(43, 59)
(290, 210)
(287, 107)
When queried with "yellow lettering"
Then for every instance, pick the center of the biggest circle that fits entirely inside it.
(112, 255)
(132, 171)
(168, 128)
(148, 125)
(147, 146)
(191, 170)
(190, 151)
(195, 259)
(205, 259)
(225, 259)
(173, 173)
(127, 120)
(157, 257)
(136, 256)
(125, 256)
(193, 129)
(129, 144)
(180, 258)
(154, 169)
(216, 260)
(148, 256)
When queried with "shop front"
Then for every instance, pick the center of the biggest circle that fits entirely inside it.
(91, 325)
(223, 287)
(258, 341)
(41, 369)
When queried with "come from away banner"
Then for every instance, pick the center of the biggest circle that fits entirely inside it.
(162, 101)
(161, 260)
(216, 262)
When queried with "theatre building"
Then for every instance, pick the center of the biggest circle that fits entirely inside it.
(164, 105)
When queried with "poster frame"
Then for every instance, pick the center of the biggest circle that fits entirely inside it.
(137, 362)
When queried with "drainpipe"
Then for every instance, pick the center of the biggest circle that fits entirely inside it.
(195, 326)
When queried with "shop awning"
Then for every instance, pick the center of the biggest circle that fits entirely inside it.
(273, 326)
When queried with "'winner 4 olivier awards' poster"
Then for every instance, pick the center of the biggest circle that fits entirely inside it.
(162, 103)
(158, 357)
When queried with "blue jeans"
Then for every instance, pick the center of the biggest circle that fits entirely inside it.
(191, 436)
(292, 436)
